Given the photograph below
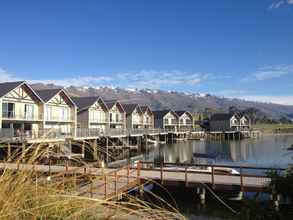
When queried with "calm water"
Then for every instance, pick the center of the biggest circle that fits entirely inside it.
(266, 151)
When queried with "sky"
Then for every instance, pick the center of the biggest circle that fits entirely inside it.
(241, 49)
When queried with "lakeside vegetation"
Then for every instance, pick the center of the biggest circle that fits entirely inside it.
(37, 195)
(272, 128)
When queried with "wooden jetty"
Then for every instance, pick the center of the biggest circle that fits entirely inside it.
(118, 180)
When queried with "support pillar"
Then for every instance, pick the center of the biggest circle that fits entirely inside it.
(8, 152)
(107, 150)
(95, 149)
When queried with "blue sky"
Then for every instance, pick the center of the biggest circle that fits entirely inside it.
(229, 48)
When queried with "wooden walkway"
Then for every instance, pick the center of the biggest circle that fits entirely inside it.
(110, 183)
(191, 175)
(100, 183)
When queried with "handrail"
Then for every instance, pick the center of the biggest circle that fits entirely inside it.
(213, 165)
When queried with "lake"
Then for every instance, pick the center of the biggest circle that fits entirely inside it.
(266, 151)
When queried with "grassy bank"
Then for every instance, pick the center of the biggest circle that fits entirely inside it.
(274, 128)
(35, 195)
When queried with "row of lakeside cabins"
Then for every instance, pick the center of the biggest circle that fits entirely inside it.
(31, 112)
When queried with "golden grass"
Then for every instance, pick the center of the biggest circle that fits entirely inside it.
(35, 195)
(270, 128)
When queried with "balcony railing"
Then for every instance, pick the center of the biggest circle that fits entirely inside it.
(20, 135)
(59, 119)
(20, 116)
(120, 121)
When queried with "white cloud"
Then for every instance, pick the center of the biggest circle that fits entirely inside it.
(154, 79)
(270, 72)
(282, 100)
(278, 3)
(6, 76)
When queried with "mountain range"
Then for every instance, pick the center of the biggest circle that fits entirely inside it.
(193, 102)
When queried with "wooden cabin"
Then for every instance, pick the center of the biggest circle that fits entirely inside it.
(117, 115)
(166, 119)
(92, 112)
(229, 122)
(21, 109)
(148, 117)
(185, 120)
(59, 110)
(134, 116)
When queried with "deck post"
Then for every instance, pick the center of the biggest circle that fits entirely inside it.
(83, 149)
(202, 196)
(241, 180)
(161, 172)
(186, 180)
(95, 149)
(23, 152)
(213, 177)
(138, 172)
(8, 152)
(105, 177)
(107, 151)
(128, 173)
(116, 180)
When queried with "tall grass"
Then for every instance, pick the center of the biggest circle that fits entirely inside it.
(28, 194)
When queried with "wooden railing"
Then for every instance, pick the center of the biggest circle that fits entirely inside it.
(212, 173)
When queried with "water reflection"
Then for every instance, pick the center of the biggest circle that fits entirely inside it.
(266, 151)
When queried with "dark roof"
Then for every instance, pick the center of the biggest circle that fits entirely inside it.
(221, 116)
(110, 103)
(47, 94)
(162, 113)
(180, 113)
(6, 87)
(85, 102)
(145, 108)
(129, 108)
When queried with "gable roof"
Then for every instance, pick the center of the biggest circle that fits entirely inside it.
(145, 109)
(84, 103)
(7, 87)
(129, 108)
(180, 113)
(111, 103)
(47, 94)
(162, 113)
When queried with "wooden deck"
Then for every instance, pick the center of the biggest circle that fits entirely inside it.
(110, 183)
(101, 183)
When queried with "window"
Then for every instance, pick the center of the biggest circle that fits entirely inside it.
(110, 117)
(29, 111)
(64, 113)
(8, 110)
(117, 117)
(48, 112)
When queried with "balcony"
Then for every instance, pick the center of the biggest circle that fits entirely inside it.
(11, 115)
(121, 121)
(59, 119)
(173, 122)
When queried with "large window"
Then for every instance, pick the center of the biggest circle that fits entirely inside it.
(8, 110)
(29, 111)
(48, 112)
(64, 114)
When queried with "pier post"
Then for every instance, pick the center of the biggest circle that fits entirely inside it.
(107, 150)
(95, 149)
(8, 152)
(202, 196)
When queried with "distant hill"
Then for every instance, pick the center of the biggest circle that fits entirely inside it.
(194, 102)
